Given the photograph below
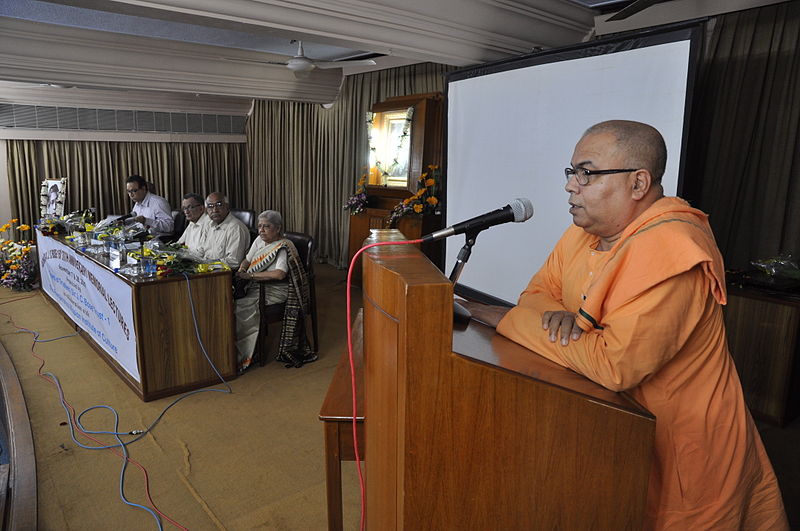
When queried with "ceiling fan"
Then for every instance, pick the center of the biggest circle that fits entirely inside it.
(632, 9)
(302, 66)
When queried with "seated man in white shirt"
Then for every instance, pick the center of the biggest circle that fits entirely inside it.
(150, 210)
(226, 238)
(193, 236)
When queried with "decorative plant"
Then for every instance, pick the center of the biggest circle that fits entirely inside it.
(18, 269)
(425, 200)
(358, 201)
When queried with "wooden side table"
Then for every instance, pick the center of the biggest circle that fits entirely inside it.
(337, 417)
(764, 339)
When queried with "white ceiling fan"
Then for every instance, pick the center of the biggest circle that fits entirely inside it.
(302, 65)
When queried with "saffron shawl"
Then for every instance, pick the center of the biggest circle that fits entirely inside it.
(691, 243)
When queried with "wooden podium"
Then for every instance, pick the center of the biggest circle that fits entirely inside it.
(469, 430)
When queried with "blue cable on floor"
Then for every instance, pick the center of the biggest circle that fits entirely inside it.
(139, 433)
(121, 444)
(37, 340)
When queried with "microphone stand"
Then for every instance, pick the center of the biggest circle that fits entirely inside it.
(460, 314)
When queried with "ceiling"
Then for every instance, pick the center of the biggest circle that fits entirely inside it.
(212, 54)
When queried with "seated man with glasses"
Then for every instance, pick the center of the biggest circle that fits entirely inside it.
(631, 297)
(226, 238)
(193, 235)
(151, 210)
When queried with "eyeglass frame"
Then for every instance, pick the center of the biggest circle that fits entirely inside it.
(570, 171)
(218, 204)
(186, 209)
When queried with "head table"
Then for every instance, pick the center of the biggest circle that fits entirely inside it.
(141, 326)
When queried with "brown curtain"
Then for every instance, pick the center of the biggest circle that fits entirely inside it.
(744, 160)
(24, 180)
(304, 161)
(206, 168)
(96, 172)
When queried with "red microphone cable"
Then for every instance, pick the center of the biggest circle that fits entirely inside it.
(353, 368)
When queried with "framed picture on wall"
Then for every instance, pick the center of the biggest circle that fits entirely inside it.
(53, 195)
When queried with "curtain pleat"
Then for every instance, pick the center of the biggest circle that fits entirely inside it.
(304, 161)
(96, 172)
(23, 172)
(743, 164)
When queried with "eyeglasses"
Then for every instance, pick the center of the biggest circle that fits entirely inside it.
(188, 208)
(582, 174)
(218, 204)
(133, 191)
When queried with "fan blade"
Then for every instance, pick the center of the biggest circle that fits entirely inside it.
(340, 64)
(632, 9)
(254, 61)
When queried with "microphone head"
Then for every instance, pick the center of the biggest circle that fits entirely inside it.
(522, 209)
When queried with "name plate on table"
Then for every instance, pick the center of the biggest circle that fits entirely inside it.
(114, 258)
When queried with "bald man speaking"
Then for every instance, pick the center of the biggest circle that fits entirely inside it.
(631, 297)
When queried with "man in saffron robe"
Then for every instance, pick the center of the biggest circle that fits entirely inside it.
(631, 298)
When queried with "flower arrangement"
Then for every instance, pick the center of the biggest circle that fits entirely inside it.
(50, 226)
(78, 221)
(18, 269)
(358, 201)
(174, 260)
(425, 200)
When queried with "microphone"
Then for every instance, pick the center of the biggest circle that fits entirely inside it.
(519, 210)
(123, 218)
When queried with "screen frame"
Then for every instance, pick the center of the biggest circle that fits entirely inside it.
(692, 31)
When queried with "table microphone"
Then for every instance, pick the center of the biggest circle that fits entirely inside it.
(519, 210)
(123, 218)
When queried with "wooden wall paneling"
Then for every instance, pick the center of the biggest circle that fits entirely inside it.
(763, 340)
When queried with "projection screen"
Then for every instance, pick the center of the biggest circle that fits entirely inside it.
(512, 126)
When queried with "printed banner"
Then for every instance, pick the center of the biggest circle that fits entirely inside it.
(96, 299)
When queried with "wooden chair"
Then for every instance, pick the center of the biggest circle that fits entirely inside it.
(273, 313)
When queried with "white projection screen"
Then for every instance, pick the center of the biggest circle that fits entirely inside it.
(512, 126)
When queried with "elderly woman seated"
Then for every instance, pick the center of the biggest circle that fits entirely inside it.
(274, 260)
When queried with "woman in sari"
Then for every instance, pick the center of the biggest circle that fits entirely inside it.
(274, 258)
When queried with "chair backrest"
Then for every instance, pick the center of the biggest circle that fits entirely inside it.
(180, 223)
(304, 244)
(248, 217)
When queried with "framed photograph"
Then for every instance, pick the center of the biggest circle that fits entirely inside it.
(389, 138)
(53, 195)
